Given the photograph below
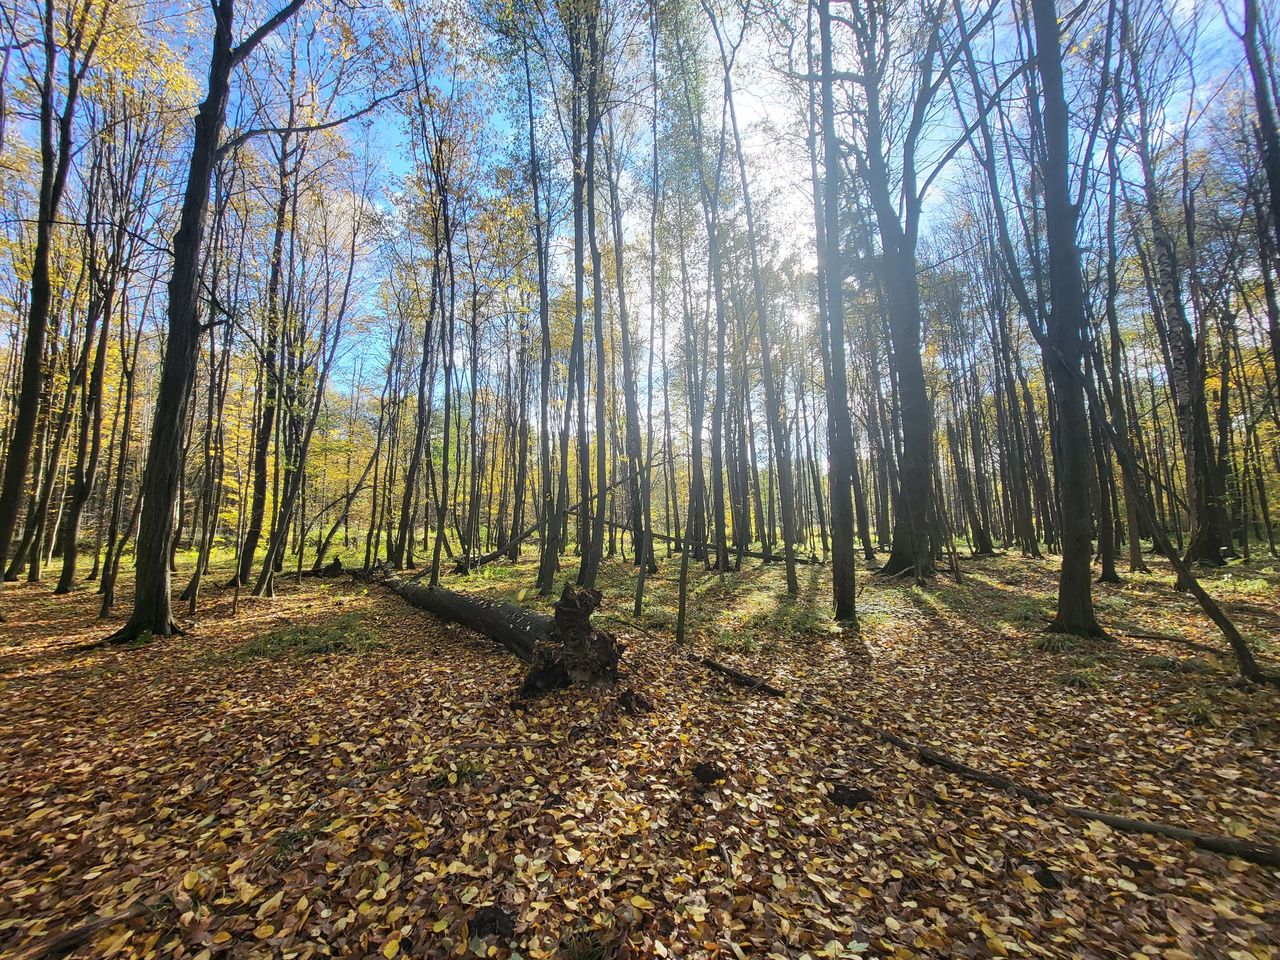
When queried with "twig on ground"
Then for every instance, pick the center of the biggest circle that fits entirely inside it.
(1260, 853)
(69, 940)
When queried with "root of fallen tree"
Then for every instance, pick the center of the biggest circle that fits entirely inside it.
(566, 649)
(561, 650)
(1261, 853)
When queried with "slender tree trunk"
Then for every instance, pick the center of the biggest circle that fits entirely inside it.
(777, 424)
(1261, 72)
(840, 454)
(56, 131)
(1065, 337)
(594, 553)
(631, 403)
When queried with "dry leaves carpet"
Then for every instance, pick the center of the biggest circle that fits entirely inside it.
(221, 795)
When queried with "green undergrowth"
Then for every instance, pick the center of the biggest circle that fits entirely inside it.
(344, 635)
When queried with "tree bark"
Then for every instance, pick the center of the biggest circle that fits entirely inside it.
(151, 606)
(56, 132)
(840, 429)
(1065, 338)
(561, 650)
(1260, 72)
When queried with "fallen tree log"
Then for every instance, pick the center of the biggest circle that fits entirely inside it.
(561, 650)
(509, 624)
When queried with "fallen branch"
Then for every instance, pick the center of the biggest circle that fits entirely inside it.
(1260, 853)
(740, 678)
(67, 941)
(492, 745)
(1249, 668)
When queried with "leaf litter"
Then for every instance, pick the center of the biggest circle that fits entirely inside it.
(391, 798)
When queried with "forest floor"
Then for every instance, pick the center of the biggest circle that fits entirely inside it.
(334, 773)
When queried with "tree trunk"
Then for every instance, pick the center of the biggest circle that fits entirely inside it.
(1269, 136)
(265, 427)
(88, 447)
(151, 606)
(840, 429)
(561, 650)
(55, 162)
(1065, 339)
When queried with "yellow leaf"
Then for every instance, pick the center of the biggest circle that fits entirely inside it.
(271, 906)
(264, 930)
(440, 926)
(640, 903)
(222, 936)
(190, 879)
(390, 948)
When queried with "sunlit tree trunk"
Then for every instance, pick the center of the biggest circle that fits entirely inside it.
(1065, 337)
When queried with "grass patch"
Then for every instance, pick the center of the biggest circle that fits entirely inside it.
(1080, 678)
(465, 772)
(143, 639)
(583, 944)
(660, 618)
(1114, 603)
(1239, 585)
(1025, 610)
(1196, 712)
(1059, 643)
(1174, 665)
(286, 845)
(343, 635)
(734, 640)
